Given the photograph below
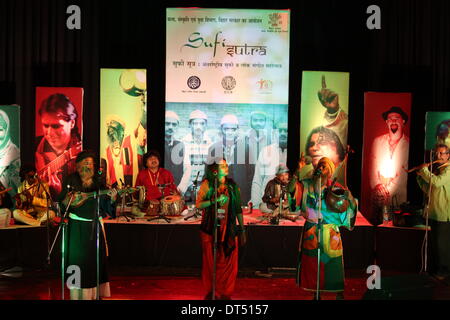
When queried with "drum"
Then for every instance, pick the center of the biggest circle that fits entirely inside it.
(153, 207)
(172, 205)
(141, 197)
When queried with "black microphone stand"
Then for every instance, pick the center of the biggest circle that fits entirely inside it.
(195, 213)
(215, 241)
(96, 225)
(122, 205)
(62, 226)
(48, 197)
(319, 235)
(425, 240)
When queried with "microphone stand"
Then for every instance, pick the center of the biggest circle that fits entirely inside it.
(62, 226)
(215, 241)
(319, 234)
(196, 213)
(425, 240)
(47, 196)
(97, 231)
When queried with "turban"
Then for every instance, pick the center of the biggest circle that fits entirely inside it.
(327, 162)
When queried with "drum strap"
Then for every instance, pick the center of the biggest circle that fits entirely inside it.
(153, 183)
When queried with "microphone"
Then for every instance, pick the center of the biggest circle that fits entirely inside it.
(215, 172)
(196, 178)
(308, 160)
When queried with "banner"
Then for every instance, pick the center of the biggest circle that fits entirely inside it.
(385, 153)
(437, 131)
(10, 148)
(59, 133)
(123, 124)
(324, 118)
(227, 81)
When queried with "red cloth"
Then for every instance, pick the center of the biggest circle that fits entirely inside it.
(226, 267)
(151, 181)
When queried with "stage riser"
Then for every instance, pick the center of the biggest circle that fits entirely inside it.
(179, 246)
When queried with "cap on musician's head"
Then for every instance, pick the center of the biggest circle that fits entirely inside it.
(197, 114)
(395, 109)
(282, 168)
(173, 115)
(85, 154)
(328, 163)
(114, 118)
(229, 118)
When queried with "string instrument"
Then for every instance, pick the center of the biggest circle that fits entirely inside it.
(54, 166)
(23, 204)
(2, 192)
(88, 195)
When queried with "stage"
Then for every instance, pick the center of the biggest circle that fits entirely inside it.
(141, 243)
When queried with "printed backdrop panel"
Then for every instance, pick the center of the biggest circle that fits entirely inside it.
(59, 133)
(385, 153)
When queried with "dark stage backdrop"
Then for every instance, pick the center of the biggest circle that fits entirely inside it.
(411, 53)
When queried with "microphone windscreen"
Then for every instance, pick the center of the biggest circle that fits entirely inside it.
(308, 160)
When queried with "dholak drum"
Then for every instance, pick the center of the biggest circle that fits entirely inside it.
(172, 205)
(141, 198)
(153, 207)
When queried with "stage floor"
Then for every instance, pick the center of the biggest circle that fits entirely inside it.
(185, 284)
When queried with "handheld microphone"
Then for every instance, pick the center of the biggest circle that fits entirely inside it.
(317, 173)
(196, 178)
(308, 160)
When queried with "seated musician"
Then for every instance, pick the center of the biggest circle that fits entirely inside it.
(275, 190)
(157, 181)
(32, 199)
(6, 206)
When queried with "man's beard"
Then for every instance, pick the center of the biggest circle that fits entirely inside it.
(85, 173)
(394, 129)
(114, 136)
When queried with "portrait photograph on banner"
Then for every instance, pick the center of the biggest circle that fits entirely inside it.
(324, 118)
(9, 151)
(387, 118)
(437, 131)
(227, 81)
(123, 124)
(255, 135)
(59, 134)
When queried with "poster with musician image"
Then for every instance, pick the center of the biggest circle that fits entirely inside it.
(197, 133)
(123, 124)
(324, 118)
(387, 118)
(59, 133)
(227, 81)
(9, 149)
(437, 131)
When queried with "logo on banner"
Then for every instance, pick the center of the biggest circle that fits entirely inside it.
(264, 86)
(275, 20)
(228, 83)
(194, 82)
